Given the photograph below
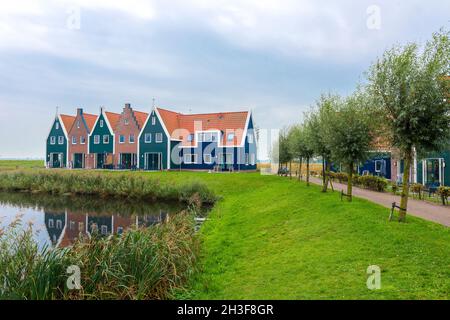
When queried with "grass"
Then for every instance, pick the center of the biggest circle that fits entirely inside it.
(270, 237)
(149, 263)
(20, 164)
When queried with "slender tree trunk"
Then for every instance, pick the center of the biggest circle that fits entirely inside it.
(307, 171)
(405, 186)
(300, 169)
(350, 181)
(324, 177)
(290, 169)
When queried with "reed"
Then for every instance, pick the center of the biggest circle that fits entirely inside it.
(122, 186)
(149, 263)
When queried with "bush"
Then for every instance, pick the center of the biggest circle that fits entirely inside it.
(417, 188)
(372, 183)
(394, 188)
(444, 192)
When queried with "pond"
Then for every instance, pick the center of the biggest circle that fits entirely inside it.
(57, 221)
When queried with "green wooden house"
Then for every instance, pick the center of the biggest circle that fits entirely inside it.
(57, 142)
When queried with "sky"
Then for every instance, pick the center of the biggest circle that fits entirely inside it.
(192, 56)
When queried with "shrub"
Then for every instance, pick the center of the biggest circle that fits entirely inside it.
(372, 183)
(417, 188)
(444, 192)
(394, 188)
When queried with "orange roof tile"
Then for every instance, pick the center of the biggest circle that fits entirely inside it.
(113, 119)
(90, 120)
(180, 125)
(67, 121)
(140, 117)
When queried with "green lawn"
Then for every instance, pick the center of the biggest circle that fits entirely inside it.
(274, 238)
(20, 164)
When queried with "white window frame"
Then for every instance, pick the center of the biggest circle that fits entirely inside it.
(381, 164)
(129, 138)
(71, 225)
(59, 224)
(190, 137)
(250, 138)
(120, 139)
(105, 136)
(82, 140)
(252, 159)
(160, 135)
(101, 123)
(189, 157)
(51, 223)
(60, 139)
(57, 125)
(247, 159)
(230, 136)
(78, 124)
(74, 139)
(153, 120)
(149, 140)
(210, 161)
(104, 229)
(97, 139)
(53, 140)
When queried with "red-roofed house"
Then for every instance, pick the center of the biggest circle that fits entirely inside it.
(79, 140)
(209, 141)
(127, 131)
(57, 142)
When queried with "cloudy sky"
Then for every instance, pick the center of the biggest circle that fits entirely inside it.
(273, 57)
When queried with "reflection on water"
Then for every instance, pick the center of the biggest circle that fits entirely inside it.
(59, 221)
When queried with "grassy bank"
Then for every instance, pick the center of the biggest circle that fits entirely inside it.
(21, 164)
(89, 183)
(148, 263)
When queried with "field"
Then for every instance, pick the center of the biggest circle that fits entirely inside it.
(270, 237)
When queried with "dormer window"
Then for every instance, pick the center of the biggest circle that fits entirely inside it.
(57, 125)
(153, 121)
(78, 124)
(101, 123)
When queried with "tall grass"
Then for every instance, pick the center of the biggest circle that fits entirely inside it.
(140, 264)
(124, 186)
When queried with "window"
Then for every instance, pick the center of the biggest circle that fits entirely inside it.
(153, 121)
(148, 137)
(72, 225)
(230, 136)
(121, 138)
(51, 223)
(252, 159)
(74, 140)
(78, 124)
(57, 125)
(60, 140)
(105, 139)
(250, 138)
(58, 224)
(82, 140)
(190, 158)
(158, 137)
(205, 137)
(101, 123)
(207, 158)
(246, 159)
(119, 230)
(378, 164)
(104, 229)
(126, 122)
(80, 226)
(190, 137)
(52, 140)
(96, 139)
(131, 138)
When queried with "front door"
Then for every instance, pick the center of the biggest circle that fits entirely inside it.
(153, 161)
(433, 171)
(56, 160)
(78, 160)
(127, 160)
(100, 160)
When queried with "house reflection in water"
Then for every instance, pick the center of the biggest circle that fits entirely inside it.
(65, 228)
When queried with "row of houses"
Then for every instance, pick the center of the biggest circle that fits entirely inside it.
(158, 140)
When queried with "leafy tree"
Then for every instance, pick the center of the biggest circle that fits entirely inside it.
(352, 134)
(284, 151)
(319, 123)
(300, 144)
(409, 89)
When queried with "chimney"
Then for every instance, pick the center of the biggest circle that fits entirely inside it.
(101, 110)
(79, 111)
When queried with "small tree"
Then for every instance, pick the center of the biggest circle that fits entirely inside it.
(301, 146)
(319, 123)
(284, 151)
(409, 88)
(351, 139)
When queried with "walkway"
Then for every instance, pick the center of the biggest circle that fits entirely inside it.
(429, 211)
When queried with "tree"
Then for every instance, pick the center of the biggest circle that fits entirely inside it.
(409, 89)
(284, 151)
(319, 119)
(300, 144)
(352, 134)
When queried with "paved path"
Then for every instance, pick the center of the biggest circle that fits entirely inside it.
(418, 208)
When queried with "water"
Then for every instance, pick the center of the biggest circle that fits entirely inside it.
(57, 221)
